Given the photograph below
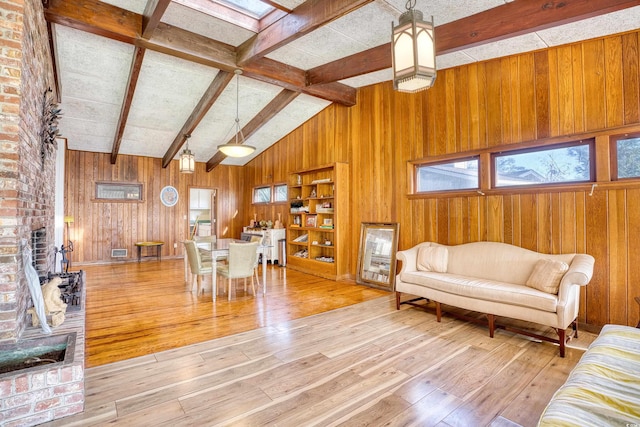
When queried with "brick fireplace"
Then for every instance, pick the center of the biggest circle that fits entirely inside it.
(27, 203)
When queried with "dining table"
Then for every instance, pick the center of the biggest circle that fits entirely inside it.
(220, 249)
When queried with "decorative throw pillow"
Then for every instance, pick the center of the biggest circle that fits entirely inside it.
(546, 275)
(433, 258)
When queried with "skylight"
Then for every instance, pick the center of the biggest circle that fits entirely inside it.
(253, 8)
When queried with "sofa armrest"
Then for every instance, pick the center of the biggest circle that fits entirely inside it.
(579, 273)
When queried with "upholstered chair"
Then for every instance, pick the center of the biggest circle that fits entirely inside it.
(196, 264)
(242, 261)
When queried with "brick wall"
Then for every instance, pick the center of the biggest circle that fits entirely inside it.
(26, 186)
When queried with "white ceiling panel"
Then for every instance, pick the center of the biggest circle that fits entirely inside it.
(524, 43)
(136, 6)
(369, 79)
(444, 11)
(218, 126)
(208, 26)
(453, 59)
(298, 111)
(616, 22)
(289, 4)
(93, 74)
(167, 92)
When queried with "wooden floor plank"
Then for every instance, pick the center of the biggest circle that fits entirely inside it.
(312, 352)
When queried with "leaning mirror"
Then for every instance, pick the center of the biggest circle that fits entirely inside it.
(377, 255)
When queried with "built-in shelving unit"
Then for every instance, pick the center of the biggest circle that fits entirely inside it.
(318, 214)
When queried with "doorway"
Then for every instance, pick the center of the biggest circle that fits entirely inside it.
(202, 212)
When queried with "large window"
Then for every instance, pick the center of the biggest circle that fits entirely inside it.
(625, 150)
(446, 176)
(565, 163)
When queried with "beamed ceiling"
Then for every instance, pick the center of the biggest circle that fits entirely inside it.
(136, 76)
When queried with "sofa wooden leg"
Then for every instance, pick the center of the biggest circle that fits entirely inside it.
(398, 300)
(575, 329)
(562, 341)
(492, 324)
(438, 311)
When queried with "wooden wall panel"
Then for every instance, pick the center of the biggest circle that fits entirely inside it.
(100, 226)
(591, 86)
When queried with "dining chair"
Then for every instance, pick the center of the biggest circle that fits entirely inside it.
(241, 264)
(205, 256)
(197, 265)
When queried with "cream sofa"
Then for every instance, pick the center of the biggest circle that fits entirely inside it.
(491, 278)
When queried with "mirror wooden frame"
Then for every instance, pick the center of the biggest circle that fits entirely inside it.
(369, 277)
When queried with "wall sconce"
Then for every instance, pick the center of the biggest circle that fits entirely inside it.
(187, 159)
(413, 51)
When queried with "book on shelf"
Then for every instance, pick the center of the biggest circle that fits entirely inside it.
(327, 227)
(301, 238)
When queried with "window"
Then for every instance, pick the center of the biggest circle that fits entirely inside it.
(262, 195)
(572, 162)
(118, 191)
(460, 174)
(625, 156)
(280, 193)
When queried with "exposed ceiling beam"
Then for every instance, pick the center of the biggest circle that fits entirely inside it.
(267, 113)
(96, 17)
(520, 17)
(368, 61)
(100, 18)
(502, 22)
(54, 61)
(216, 87)
(292, 78)
(152, 15)
(304, 19)
(134, 73)
(194, 47)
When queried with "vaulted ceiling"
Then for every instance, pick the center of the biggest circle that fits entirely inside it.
(137, 76)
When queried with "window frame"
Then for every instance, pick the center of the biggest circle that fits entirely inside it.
(261, 187)
(589, 142)
(274, 192)
(448, 160)
(613, 158)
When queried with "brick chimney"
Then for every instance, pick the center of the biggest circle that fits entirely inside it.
(26, 182)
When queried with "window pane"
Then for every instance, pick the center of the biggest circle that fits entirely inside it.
(280, 193)
(458, 175)
(545, 166)
(262, 195)
(628, 157)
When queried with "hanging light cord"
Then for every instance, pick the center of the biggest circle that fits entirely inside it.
(238, 130)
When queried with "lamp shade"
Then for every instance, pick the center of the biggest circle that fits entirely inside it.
(187, 161)
(236, 150)
(413, 53)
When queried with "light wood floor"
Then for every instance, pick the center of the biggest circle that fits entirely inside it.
(364, 364)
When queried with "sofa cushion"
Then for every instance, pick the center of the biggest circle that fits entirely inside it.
(433, 258)
(483, 289)
(546, 275)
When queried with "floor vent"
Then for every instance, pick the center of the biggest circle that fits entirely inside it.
(118, 253)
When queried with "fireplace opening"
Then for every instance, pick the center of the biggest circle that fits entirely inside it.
(31, 354)
(39, 253)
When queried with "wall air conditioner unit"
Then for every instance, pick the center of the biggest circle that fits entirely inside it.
(119, 253)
